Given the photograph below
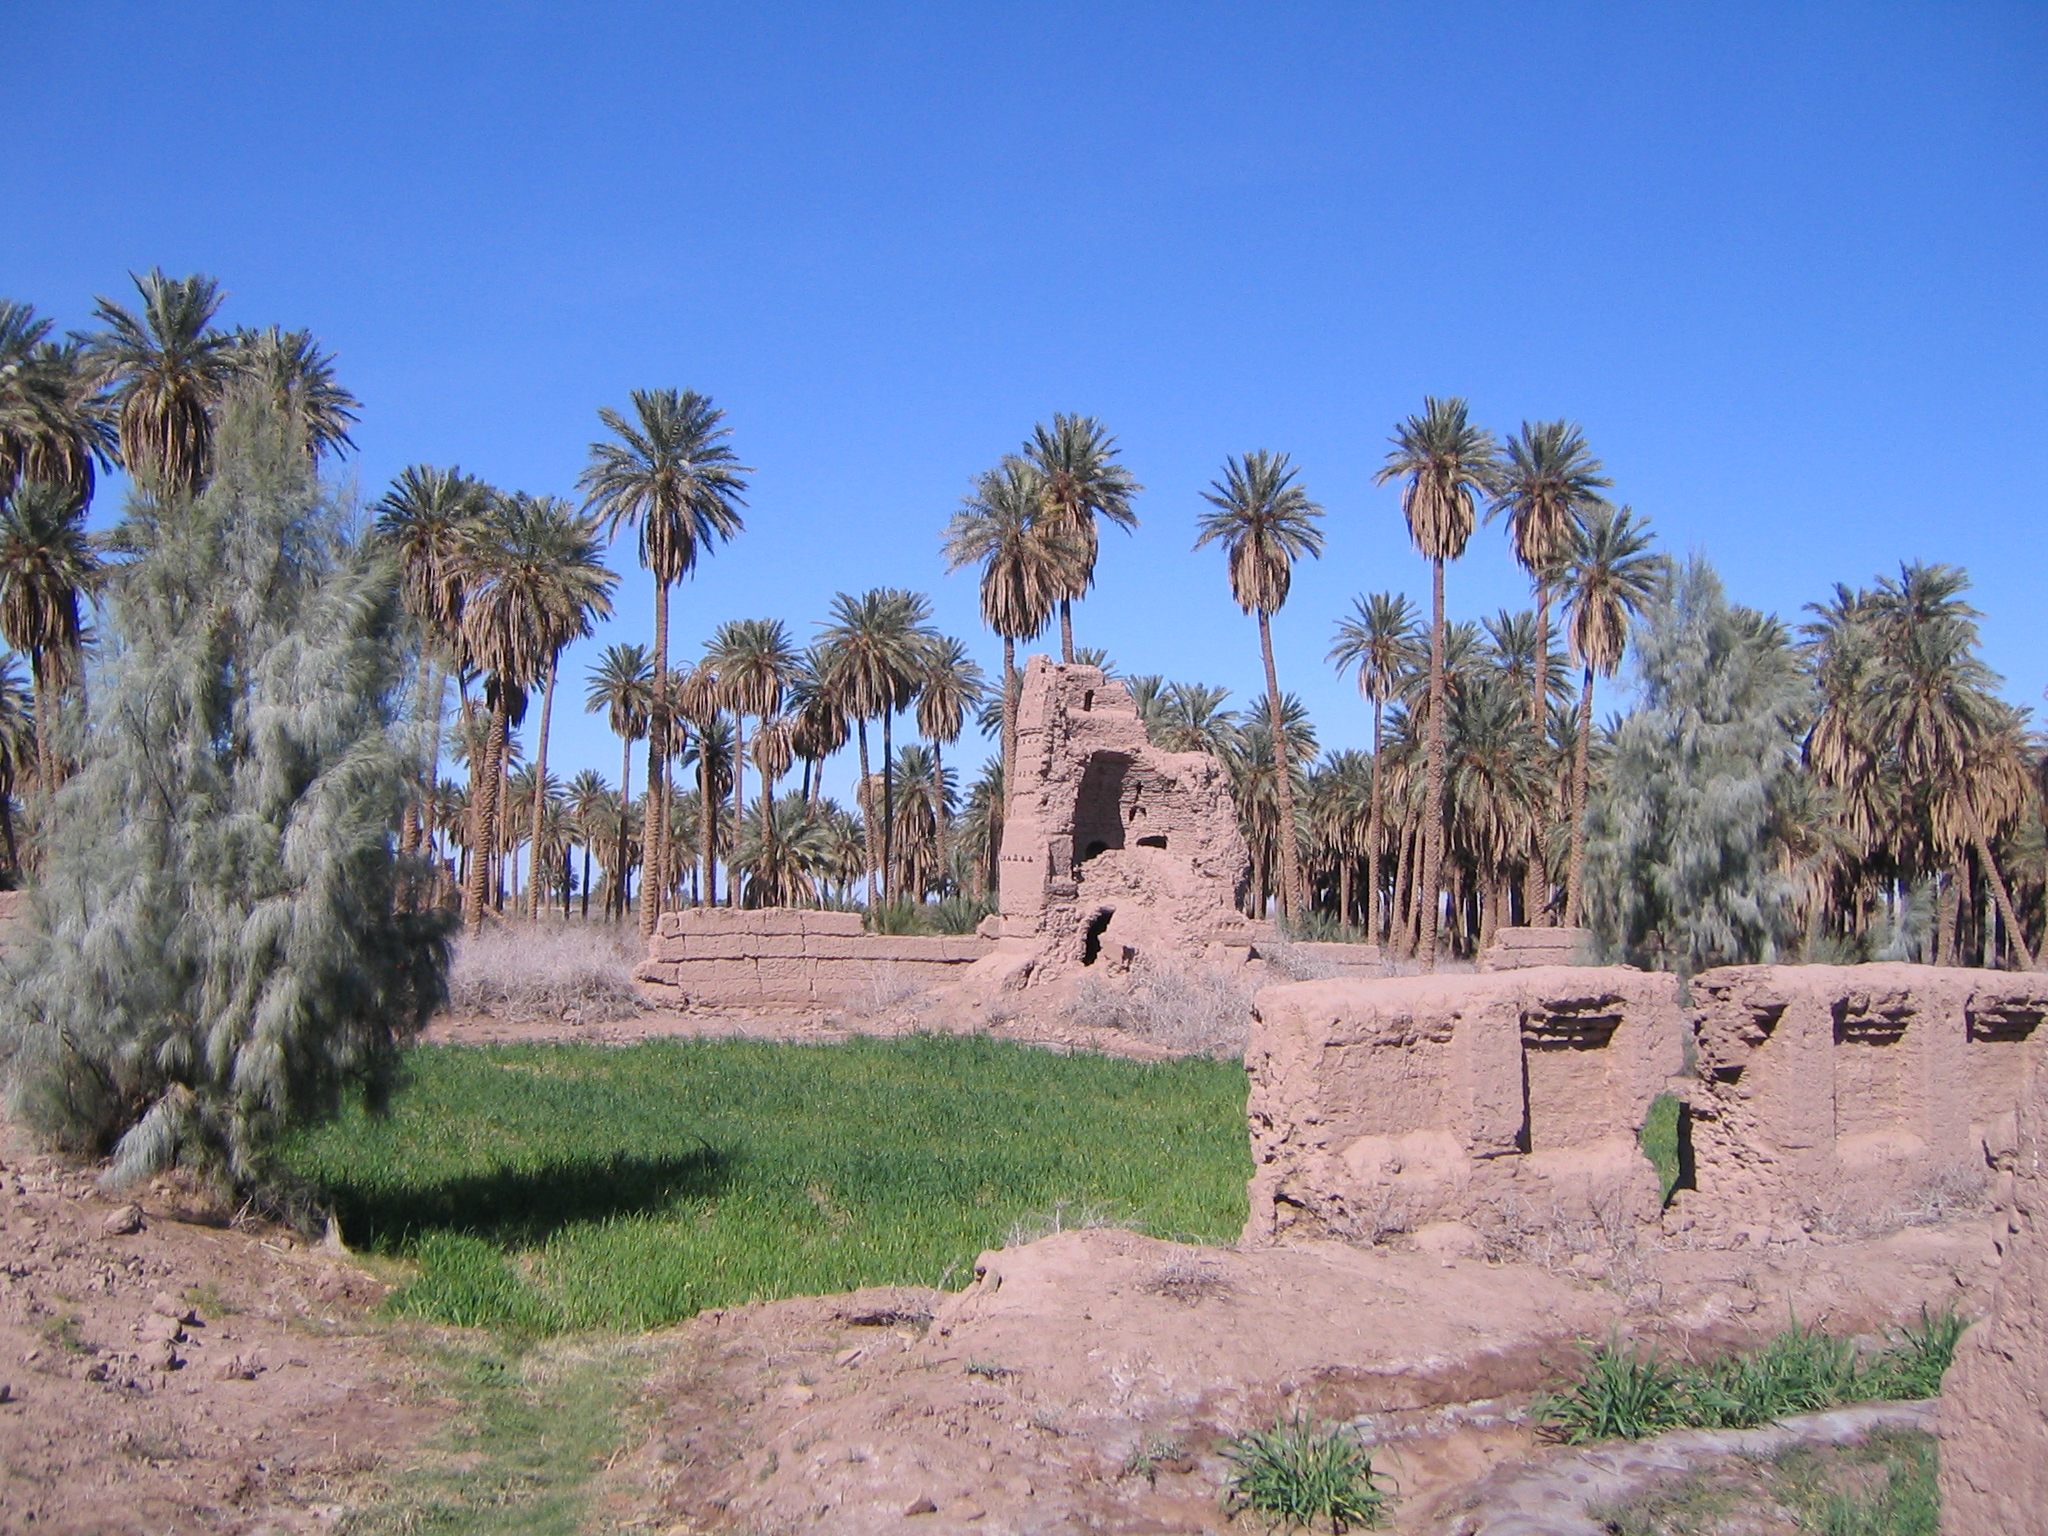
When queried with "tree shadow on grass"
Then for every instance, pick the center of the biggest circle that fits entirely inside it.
(523, 1207)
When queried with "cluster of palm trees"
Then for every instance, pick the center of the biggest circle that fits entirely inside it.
(143, 392)
(1469, 811)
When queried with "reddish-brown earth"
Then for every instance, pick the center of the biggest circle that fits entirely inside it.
(180, 1376)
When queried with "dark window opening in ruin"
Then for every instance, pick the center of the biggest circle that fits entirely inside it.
(1091, 940)
(1088, 699)
(1098, 806)
(1686, 1178)
(1522, 1139)
(2010, 1024)
(1157, 840)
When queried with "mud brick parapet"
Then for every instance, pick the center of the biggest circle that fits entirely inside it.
(1994, 1400)
(1378, 1107)
(1836, 1092)
(784, 956)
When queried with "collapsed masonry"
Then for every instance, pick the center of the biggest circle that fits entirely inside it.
(1114, 852)
(1854, 1098)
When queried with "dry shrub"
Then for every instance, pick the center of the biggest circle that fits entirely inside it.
(887, 989)
(1195, 1011)
(1189, 1278)
(525, 974)
(1066, 1216)
(1957, 1192)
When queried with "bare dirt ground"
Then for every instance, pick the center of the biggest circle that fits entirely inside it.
(1088, 1382)
(179, 1376)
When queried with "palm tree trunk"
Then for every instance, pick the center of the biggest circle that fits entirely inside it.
(654, 833)
(707, 823)
(1580, 754)
(939, 813)
(1009, 713)
(739, 800)
(1433, 808)
(867, 811)
(2001, 895)
(1404, 873)
(618, 897)
(1536, 878)
(483, 810)
(889, 882)
(1373, 832)
(585, 913)
(1066, 631)
(540, 796)
(1344, 862)
(1948, 899)
(1290, 853)
(504, 823)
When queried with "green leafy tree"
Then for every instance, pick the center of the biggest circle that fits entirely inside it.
(221, 958)
(1266, 522)
(1686, 861)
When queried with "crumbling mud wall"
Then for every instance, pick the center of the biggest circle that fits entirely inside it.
(1380, 1107)
(1853, 1096)
(1994, 1401)
(1114, 853)
(783, 956)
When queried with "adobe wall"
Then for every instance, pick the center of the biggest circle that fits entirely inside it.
(786, 956)
(1383, 1106)
(1994, 1400)
(1849, 1092)
(1113, 851)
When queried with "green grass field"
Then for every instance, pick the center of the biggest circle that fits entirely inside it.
(546, 1188)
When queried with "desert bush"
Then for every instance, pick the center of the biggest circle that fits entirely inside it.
(1623, 1394)
(221, 957)
(1194, 1010)
(574, 972)
(1298, 1473)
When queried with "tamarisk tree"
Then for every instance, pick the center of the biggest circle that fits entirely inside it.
(221, 955)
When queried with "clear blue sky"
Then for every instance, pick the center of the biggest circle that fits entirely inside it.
(1784, 263)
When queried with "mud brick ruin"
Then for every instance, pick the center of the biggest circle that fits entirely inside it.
(1114, 851)
(782, 956)
(1838, 1093)
(1386, 1106)
(1994, 1400)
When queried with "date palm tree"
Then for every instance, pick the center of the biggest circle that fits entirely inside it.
(622, 685)
(1382, 639)
(46, 565)
(590, 803)
(535, 579)
(54, 425)
(1266, 522)
(17, 749)
(753, 662)
(1448, 464)
(289, 369)
(950, 686)
(669, 472)
(166, 367)
(1548, 479)
(1191, 718)
(820, 726)
(1080, 480)
(876, 642)
(1609, 574)
(427, 519)
(1026, 563)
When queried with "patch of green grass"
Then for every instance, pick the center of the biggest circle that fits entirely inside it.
(1660, 1142)
(1626, 1394)
(1298, 1473)
(534, 1427)
(547, 1188)
(1882, 1485)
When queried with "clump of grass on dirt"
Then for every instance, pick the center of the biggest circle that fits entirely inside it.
(1883, 1485)
(1299, 1474)
(526, 973)
(1626, 1393)
(543, 1188)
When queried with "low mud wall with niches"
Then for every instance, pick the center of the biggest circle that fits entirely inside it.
(792, 957)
